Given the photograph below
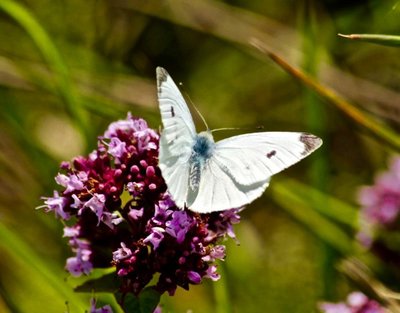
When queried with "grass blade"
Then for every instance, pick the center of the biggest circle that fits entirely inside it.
(46, 46)
(38, 270)
(325, 204)
(300, 209)
(385, 40)
(349, 109)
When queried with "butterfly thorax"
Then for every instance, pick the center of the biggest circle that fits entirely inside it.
(202, 150)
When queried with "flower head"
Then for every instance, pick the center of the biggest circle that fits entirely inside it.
(119, 213)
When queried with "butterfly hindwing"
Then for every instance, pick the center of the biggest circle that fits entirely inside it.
(218, 191)
(241, 167)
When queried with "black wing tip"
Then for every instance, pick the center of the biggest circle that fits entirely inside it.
(162, 75)
(311, 142)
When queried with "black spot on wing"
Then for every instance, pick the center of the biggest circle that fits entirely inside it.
(310, 142)
(172, 112)
(271, 154)
(162, 76)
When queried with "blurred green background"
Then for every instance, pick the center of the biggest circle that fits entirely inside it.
(69, 68)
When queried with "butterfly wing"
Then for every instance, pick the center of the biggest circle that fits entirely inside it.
(241, 167)
(177, 137)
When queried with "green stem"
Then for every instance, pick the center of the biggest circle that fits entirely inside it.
(386, 40)
(221, 292)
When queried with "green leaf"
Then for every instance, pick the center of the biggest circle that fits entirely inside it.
(325, 204)
(149, 299)
(146, 302)
(107, 283)
(386, 40)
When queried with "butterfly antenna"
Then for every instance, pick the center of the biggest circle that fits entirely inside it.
(237, 128)
(225, 128)
(197, 110)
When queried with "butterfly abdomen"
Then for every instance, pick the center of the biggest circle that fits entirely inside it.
(202, 150)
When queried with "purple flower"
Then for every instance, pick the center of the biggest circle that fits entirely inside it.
(111, 219)
(223, 223)
(194, 277)
(155, 237)
(71, 183)
(356, 302)
(78, 204)
(104, 309)
(122, 253)
(135, 188)
(57, 204)
(216, 253)
(162, 212)
(71, 231)
(96, 204)
(119, 213)
(117, 148)
(144, 142)
(212, 273)
(179, 225)
(135, 214)
(80, 263)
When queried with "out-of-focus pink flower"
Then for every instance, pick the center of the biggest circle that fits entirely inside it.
(380, 203)
(356, 302)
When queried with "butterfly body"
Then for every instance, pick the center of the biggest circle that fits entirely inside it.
(202, 151)
(207, 176)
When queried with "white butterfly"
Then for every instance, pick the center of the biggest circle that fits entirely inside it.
(207, 176)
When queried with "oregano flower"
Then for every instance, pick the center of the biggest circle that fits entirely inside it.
(117, 212)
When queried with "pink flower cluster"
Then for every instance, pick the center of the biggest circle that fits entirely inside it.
(118, 213)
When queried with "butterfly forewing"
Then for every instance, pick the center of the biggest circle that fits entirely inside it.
(177, 121)
(176, 139)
